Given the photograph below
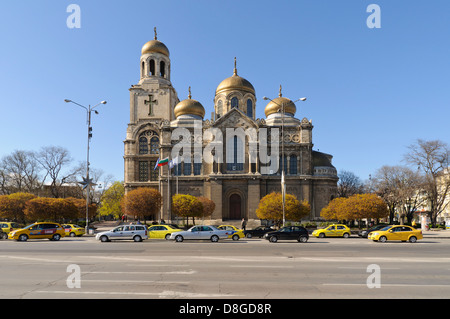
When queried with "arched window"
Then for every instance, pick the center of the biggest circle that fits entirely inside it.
(283, 164)
(152, 67)
(154, 145)
(219, 108)
(293, 165)
(162, 69)
(250, 108)
(143, 69)
(143, 146)
(187, 168)
(234, 102)
(235, 154)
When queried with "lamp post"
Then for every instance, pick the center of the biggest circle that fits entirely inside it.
(283, 184)
(87, 182)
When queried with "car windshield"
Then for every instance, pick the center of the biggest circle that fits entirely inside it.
(386, 228)
(29, 226)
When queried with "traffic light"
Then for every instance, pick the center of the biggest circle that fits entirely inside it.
(90, 131)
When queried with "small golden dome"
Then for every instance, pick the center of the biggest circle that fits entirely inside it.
(235, 82)
(275, 105)
(189, 107)
(155, 46)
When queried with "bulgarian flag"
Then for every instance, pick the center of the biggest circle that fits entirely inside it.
(163, 162)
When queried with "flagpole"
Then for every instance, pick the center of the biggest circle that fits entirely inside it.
(168, 194)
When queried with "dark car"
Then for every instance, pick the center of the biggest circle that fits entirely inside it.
(365, 232)
(288, 233)
(3, 235)
(257, 232)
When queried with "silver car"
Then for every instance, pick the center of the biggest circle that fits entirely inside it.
(201, 232)
(131, 232)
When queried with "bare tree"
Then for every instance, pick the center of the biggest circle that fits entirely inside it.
(22, 172)
(54, 160)
(401, 189)
(349, 184)
(432, 157)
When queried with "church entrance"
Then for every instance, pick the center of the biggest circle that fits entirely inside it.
(235, 206)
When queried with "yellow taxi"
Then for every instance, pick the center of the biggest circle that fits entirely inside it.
(50, 230)
(334, 230)
(162, 231)
(73, 230)
(9, 226)
(396, 232)
(238, 233)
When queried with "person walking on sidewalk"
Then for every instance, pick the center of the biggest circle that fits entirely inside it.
(243, 224)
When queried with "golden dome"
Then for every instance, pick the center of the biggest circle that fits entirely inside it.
(235, 82)
(155, 46)
(190, 107)
(275, 105)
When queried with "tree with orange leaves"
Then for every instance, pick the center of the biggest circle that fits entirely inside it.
(187, 206)
(356, 207)
(55, 209)
(271, 207)
(12, 206)
(142, 202)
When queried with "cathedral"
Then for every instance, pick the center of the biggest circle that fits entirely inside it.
(232, 158)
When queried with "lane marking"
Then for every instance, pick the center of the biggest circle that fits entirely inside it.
(190, 272)
(389, 285)
(164, 294)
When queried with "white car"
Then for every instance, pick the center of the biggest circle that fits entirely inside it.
(131, 232)
(201, 232)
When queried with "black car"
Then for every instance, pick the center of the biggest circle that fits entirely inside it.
(298, 233)
(3, 235)
(257, 232)
(365, 232)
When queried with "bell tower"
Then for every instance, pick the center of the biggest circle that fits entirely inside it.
(152, 103)
(154, 96)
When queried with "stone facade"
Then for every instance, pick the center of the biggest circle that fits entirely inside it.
(228, 154)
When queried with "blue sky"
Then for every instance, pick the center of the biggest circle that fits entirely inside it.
(371, 92)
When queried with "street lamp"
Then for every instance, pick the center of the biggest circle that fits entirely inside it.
(87, 182)
(283, 184)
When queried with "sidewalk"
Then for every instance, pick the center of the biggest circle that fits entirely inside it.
(436, 233)
(104, 226)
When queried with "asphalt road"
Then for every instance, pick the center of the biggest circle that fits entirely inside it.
(247, 269)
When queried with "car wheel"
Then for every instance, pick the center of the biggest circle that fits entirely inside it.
(249, 235)
(137, 238)
(104, 239)
(214, 238)
(273, 239)
(167, 237)
(413, 239)
(179, 238)
(56, 237)
(235, 237)
(321, 235)
(302, 239)
(23, 237)
(72, 234)
(383, 239)
(346, 235)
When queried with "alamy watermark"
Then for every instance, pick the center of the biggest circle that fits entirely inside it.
(74, 19)
(374, 19)
(74, 279)
(374, 279)
(237, 144)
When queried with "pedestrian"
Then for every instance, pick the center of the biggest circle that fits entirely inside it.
(243, 224)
